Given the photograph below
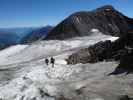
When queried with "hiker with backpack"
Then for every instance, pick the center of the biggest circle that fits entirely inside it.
(52, 61)
(46, 61)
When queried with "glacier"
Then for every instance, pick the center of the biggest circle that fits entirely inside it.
(25, 76)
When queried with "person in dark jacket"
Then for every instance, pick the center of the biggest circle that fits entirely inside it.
(52, 60)
(46, 61)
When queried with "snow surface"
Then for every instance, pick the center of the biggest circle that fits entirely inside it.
(12, 50)
(48, 48)
(23, 73)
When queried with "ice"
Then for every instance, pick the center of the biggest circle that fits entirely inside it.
(60, 80)
(113, 38)
(23, 73)
(95, 30)
(43, 49)
(12, 50)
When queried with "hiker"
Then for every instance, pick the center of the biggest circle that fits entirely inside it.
(46, 61)
(52, 61)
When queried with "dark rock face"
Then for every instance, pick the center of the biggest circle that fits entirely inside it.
(125, 97)
(126, 60)
(98, 52)
(119, 50)
(83, 56)
(108, 20)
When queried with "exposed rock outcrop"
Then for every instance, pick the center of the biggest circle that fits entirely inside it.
(119, 50)
(98, 52)
(106, 19)
(125, 97)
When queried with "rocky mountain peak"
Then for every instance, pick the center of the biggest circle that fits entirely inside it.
(106, 19)
(106, 8)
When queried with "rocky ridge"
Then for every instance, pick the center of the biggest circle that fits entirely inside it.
(106, 19)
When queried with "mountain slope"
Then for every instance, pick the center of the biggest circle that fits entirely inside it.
(46, 48)
(25, 76)
(36, 34)
(7, 39)
(108, 20)
(13, 36)
(21, 79)
(20, 31)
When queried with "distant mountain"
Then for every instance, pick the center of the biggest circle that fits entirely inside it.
(12, 36)
(19, 32)
(7, 39)
(106, 19)
(37, 34)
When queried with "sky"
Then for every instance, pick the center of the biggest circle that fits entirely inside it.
(36, 13)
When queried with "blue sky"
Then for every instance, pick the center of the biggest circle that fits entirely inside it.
(33, 13)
